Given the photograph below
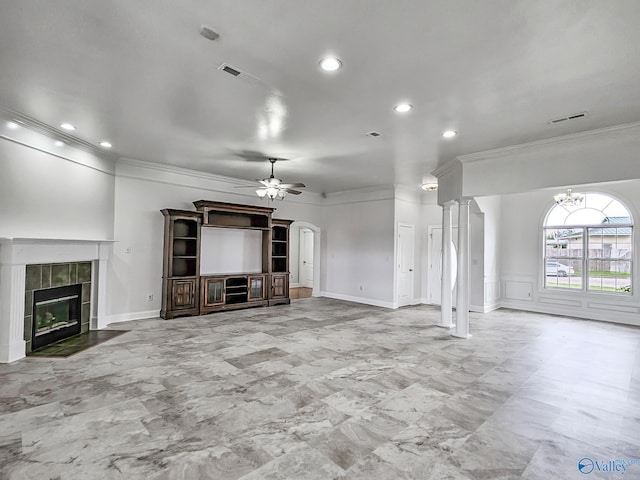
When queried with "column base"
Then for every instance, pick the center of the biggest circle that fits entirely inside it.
(451, 325)
(98, 323)
(457, 335)
(12, 352)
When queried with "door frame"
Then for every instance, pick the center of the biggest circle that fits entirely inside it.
(317, 232)
(412, 294)
(302, 277)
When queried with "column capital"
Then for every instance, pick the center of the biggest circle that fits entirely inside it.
(464, 200)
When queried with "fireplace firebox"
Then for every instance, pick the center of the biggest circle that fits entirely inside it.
(56, 314)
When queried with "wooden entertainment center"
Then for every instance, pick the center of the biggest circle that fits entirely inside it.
(186, 292)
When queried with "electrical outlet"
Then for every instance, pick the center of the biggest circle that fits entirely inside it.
(150, 297)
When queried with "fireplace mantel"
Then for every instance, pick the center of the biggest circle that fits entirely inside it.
(16, 254)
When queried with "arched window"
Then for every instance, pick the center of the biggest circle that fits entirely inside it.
(588, 246)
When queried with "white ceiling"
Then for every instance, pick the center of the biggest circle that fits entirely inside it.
(137, 72)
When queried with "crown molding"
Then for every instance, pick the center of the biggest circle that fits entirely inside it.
(363, 190)
(628, 129)
(358, 195)
(411, 194)
(32, 140)
(42, 128)
(158, 172)
(164, 168)
(448, 167)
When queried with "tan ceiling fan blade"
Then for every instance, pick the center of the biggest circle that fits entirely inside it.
(292, 185)
(292, 192)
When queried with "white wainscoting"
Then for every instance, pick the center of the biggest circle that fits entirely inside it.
(524, 293)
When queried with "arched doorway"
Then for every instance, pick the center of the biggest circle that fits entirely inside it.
(306, 247)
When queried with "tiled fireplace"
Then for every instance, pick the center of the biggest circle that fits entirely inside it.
(57, 302)
(61, 282)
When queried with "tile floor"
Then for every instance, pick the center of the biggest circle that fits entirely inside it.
(323, 389)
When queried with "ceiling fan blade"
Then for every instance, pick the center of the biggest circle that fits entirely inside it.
(250, 155)
(292, 185)
(292, 192)
(264, 182)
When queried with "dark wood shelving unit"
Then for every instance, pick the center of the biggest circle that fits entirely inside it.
(187, 292)
(181, 265)
(279, 261)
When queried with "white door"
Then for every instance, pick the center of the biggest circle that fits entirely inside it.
(306, 257)
(405, 265)
(435, 264)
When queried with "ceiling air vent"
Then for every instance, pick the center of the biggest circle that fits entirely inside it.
(373, 134)
(236, 72)
(230, 70)
(574, 116)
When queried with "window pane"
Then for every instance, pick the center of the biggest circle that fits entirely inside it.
(616, 210)
(610, 242)
(562, 242)
(610, 275)
(557, 216)
(585, 216)
(562, 272)
(609, 245)
(598, 201)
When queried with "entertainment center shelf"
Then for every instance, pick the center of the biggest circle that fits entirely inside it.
(186, 291)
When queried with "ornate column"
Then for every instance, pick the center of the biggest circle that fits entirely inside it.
(446, 284)
(462, 297)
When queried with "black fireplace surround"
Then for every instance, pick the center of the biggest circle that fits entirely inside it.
(45, 283)
(56, 314)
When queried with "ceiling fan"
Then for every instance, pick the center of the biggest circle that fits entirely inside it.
(273, 188)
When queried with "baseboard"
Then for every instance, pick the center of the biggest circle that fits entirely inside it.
(366, 301)
(125, 317)
(484, 308)
(492, 307)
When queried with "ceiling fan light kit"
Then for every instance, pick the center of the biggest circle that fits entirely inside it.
(273, 188)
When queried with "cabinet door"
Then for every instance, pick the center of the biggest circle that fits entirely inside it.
(279, 286)
(183, 294)
(256, 288)
(212, 291)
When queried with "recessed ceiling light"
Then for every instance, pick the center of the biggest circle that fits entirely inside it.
(449, 133)
(12, 125)
(429, 187)
(403, 107)
(67, 126)
(58, 143)
(105, 144)
(330, 64)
